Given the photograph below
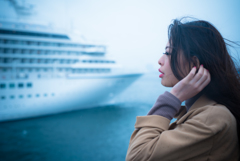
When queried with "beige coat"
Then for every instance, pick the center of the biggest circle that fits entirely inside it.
(207, 132)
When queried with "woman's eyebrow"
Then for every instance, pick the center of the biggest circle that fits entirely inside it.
(166, 47)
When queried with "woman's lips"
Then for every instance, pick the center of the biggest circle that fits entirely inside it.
(161, 75)
(160, 70)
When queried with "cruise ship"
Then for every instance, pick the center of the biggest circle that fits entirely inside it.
(46, 72)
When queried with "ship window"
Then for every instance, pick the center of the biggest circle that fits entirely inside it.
(32, 43)
(2, 97)
(53, 52)
(20, 96)
(7, 50)
(53, 94)
(46, 61)
(20, 69)
(8, 41)
(26, 51)
(33, 52)
(24, 42)
(74, 70)
(20, 85)
(48, 52)
(17, 51)
(37, 95)
(11, 85)
(6, 60)
(2, 86)
(29, 96)
(45, 94)
(46, 44)
(54, 44)
(12, 97)
(68, 61)
(29, 85)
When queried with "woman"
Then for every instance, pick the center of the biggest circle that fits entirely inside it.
(197, 65)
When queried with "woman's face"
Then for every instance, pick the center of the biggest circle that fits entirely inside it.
(168, 78)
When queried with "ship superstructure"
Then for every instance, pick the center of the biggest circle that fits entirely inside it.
(45, 72)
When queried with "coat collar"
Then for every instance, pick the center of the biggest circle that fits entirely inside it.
(200, 102)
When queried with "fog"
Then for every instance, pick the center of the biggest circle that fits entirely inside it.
(135, 31)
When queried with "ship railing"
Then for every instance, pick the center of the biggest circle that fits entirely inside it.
(50, 48)
(7, 39)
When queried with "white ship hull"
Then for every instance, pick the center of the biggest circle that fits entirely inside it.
(44, 72)
(62, 95)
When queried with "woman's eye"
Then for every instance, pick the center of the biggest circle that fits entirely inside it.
(166, 53)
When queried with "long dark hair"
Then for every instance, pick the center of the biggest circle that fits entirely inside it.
(201, 39)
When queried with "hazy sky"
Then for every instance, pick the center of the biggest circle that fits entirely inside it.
(135, 31)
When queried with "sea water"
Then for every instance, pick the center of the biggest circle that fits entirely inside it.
(97, 134)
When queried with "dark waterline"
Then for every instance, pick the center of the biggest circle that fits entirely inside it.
(101, 133)
(97, 134)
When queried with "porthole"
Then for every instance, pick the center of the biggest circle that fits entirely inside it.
(20, 96)
(20, 85)
(29, 85)
(12, 97)
(3, 97)
(2, 86)
(11, 85)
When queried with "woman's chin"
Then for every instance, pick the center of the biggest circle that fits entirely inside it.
(166, 84)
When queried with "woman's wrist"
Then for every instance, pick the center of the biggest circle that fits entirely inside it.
(167, 105)
(177, 95)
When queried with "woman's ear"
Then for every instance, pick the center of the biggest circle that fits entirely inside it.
(195, 62)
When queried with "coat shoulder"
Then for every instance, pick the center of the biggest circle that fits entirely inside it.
(217, 117)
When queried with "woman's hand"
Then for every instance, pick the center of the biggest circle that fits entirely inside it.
(192, 84)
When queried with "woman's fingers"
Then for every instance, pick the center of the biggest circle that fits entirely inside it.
(191, 74)
(203, 78)
(199, 75)
(206, 82)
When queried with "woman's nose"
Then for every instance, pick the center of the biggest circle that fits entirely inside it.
(160, 61)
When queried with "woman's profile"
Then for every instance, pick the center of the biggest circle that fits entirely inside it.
(198, 66)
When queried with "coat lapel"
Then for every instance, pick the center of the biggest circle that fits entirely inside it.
(200, 102)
